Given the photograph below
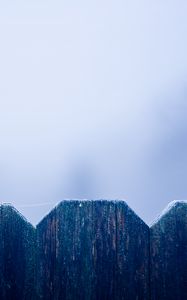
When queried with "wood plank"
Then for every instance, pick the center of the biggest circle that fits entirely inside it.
(17, 256)
(93, 250)
(168, 243)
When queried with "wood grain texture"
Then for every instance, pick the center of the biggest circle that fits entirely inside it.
(17, 256)
(93, 250)
(168, 244)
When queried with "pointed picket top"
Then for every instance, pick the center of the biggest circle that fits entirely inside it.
(101, 238)
(168, 210)
(81, 203)
(8, 208)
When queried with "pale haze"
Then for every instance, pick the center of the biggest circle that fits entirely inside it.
(93, 103)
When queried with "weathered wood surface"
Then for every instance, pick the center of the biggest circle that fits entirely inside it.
(168, 244)
(17, 256)
(93, 250)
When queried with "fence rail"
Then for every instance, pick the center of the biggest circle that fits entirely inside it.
(93, 250)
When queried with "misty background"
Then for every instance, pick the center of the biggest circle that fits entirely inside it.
(93, 103)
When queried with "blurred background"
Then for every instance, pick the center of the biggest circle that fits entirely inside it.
(93, 103)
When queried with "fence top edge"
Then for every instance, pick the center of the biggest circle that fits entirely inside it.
(13, 208)
(93, 201)
(168, 208)
(171, 205)
(58, 204)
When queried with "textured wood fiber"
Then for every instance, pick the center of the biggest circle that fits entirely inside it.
(93, 250)
(168, 244)
(17, 256)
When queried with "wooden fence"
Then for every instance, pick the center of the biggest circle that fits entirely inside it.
(93, 250)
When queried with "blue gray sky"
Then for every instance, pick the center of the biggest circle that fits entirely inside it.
(93, 103)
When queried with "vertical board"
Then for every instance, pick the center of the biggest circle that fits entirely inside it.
(133, 255)
(93, 250)
(168, 244)
(17, 256)
(46, 257)
(104, 249)
(65, 252)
